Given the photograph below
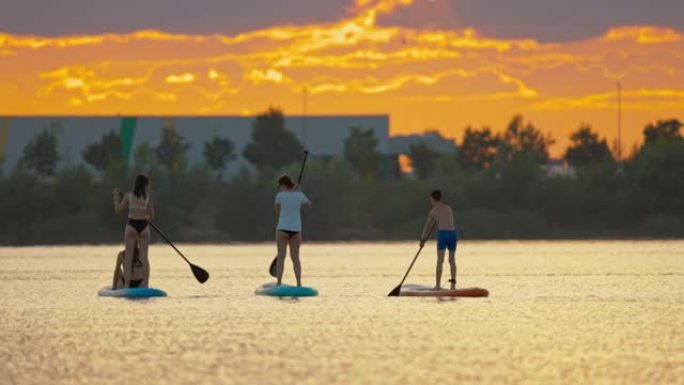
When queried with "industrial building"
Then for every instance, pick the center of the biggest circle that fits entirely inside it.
(320, 135)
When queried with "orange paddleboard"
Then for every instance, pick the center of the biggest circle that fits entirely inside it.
(424, 291)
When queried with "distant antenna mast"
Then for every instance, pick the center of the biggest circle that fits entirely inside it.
(619, 138)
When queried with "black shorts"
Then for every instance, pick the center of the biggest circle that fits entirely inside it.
(289, 233)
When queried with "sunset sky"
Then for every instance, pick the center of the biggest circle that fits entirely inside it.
(442, 64)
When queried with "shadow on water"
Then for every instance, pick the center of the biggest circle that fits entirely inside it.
(289, 299)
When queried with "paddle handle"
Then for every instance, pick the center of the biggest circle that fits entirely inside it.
(301, 170)
(168, 241)
(422, 244)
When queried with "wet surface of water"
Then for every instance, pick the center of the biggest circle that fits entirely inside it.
(558, 312)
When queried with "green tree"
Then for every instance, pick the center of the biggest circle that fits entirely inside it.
(361, 151)
(272, 145)
(100, 155)
(523, 140)
(241, 211)
(662, 129)
(586, 148)
(218, 152)
(172, 148)
(658, 166)
(143, 158)
(40, 154)
(478, 149)
(423, 159)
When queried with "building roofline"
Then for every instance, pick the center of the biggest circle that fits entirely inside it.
(193, 116)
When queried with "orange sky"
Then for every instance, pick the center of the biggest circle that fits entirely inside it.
(423, 78)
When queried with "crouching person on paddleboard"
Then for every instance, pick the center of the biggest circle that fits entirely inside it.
(137, 231)
(443, 217)
(138, 274)
(288, 206)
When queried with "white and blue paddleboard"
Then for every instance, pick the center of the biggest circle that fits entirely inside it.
(136, 292)
(286, 290)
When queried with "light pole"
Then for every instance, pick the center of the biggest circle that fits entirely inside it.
(619, 137)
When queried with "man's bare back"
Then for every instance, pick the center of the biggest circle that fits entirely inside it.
(443, 217)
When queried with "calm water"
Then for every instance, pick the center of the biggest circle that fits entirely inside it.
(559, 312)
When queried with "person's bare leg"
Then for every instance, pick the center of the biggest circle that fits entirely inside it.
(295, 242)
(144, 245)
(452, 266)
(130, 236)
(281, 244)
(116, 281)
(438, 272)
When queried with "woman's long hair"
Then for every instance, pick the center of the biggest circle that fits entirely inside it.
(141, 182)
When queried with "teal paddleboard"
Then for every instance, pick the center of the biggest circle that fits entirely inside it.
(286, 290)
(136, 292)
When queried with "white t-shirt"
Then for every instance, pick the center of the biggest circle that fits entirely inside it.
(290, 209)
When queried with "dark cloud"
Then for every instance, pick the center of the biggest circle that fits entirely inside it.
(46, 17)
(546, 20)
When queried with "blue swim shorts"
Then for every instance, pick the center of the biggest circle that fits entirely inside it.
(447, 239)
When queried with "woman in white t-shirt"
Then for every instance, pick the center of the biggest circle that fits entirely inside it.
(288, 205)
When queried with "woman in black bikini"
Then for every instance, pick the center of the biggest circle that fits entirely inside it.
(288, 205)
(140, 211)
(138, 270)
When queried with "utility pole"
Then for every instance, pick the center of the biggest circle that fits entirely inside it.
(619, 137)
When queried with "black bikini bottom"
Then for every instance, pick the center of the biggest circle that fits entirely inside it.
(138, 224)
(134, 282)
(289, 233)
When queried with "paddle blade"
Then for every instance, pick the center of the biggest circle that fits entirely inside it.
(273, 269)
(395, 292)
(201, 274)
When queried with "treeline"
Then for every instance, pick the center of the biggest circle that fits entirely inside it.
(498, 183)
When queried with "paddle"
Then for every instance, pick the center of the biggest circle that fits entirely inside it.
(397, 290)
(273, 269)
(200, 274)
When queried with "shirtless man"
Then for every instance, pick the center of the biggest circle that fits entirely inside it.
(442, 215)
